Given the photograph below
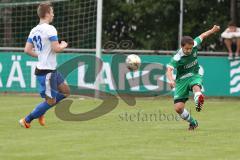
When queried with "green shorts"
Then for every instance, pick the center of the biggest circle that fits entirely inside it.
(183, 86)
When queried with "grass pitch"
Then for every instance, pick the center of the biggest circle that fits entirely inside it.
(125, 133)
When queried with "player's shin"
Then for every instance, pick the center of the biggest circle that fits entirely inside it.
(187, 117)
(199, 100)
(196, 95)
(38, 111)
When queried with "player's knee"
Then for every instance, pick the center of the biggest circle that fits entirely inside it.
(65, 91)
(51, 101)
(179, 108)
(197, 88)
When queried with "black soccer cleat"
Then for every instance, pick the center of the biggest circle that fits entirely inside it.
(193, 126)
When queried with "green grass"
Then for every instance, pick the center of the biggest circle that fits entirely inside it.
(112, 137)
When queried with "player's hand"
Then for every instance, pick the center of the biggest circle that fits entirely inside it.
(172, 84)
(64, 44)
(215, 28)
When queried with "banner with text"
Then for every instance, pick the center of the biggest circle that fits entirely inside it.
(221, 76)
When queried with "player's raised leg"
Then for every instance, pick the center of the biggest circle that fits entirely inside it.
(198, 97)
(196, 86)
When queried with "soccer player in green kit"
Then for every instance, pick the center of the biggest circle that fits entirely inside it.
(187, 79)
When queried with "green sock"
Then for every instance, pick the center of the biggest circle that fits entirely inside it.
(191, 120)
(186, 116)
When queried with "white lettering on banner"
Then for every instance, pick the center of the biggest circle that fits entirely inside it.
(134, 80)
(146, 80)
(1, 85)
(106, 79)
(234, 77)
(149, 86)
(33, 65)
(132, 77)
(106, 76)
(81, 77)
(19, 78)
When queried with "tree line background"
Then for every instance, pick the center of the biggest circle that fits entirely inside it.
(146, 24)
(154, 24)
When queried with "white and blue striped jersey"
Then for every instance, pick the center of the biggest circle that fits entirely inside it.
(41, 37)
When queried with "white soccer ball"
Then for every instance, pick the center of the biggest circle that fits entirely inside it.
(133, 62)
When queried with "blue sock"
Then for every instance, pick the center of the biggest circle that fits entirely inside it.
(59, 97)
(38, 111)
(42, 108)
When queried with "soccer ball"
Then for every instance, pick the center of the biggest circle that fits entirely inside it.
(133, 62)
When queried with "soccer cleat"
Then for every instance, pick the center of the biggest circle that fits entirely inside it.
(193, 126)
(41, 120)
(200, 102)
(24, 124)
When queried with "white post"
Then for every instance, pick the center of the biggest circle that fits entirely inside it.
(180, 24)
(98, 44)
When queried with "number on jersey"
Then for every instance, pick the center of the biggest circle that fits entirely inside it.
(38, 42)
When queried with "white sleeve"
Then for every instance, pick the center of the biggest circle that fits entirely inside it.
(52, 33)
(30, 37)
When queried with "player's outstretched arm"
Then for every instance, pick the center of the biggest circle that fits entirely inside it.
(214, 29)
(59, 47)
(29, 50)
(169, 74)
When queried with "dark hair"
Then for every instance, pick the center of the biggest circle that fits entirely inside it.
(232, 23)
(187, 40)
(43, 9)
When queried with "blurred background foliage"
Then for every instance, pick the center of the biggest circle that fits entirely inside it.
(147, 24)
(154, 24)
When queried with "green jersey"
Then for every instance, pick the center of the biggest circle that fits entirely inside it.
(186, 65)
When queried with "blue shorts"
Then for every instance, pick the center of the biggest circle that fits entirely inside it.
(48, 84)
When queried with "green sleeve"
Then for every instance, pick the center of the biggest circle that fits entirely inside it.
(173, 63)
(197, 41)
